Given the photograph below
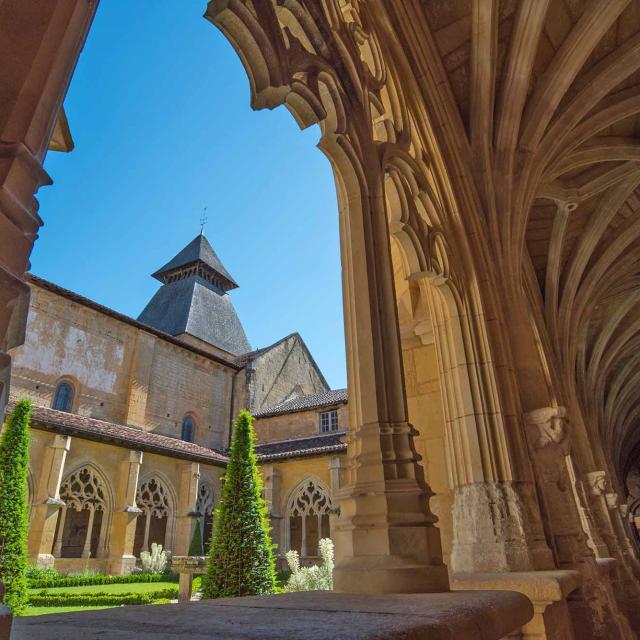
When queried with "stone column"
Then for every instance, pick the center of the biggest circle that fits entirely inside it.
(47, 503)
(86, 550)
(125, 515)
(273, 498)
(335, 472)
(593, 607)
(39, 45)
(583, 502)
(186, 507)
(496, 520)
(386, 539)
(598, 486)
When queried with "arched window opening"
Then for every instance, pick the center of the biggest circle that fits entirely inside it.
(308, 517)
(81, 527)
(188, 428)
(63, 397)
(205, 507)
(151, 526)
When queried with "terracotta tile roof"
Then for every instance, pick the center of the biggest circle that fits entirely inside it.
(304, 403)
(131, 437)
(85, 302)
(314, 446)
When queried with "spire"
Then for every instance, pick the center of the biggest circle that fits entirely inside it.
(193, 299)
(198, 255)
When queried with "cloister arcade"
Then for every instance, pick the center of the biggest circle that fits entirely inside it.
(491, 149)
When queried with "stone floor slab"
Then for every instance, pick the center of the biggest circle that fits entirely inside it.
(460, 615)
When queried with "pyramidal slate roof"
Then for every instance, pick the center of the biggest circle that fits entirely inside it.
(194, 300)
(197, 251)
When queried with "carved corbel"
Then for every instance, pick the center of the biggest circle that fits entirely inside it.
(548, 427)
(597, 482)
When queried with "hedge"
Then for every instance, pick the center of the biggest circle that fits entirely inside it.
(14, 464)
(84, 581)
(48, 599)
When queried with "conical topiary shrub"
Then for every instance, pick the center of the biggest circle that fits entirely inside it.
(240, 555)
(14, 465)
(195, 548)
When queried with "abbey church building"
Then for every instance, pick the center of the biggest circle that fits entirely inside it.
(132, 417)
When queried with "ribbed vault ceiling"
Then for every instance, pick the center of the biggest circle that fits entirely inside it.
(579, 114)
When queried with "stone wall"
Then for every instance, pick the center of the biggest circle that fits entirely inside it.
(285, 368)
(120, 373)
(296, 425)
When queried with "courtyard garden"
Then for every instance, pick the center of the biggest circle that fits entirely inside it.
(239, 533)
(50, 592)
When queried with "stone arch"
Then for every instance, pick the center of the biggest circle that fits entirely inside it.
(157, 499)
(205, 508)
(85, 519)
(307, 516)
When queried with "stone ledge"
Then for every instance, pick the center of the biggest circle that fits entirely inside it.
(477, 615)
(538, 586)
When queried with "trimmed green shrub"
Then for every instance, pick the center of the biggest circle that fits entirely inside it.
(14, 465)
(241, 554)
(49, 599)
(40, 573)
(83, 581)
(195, 548)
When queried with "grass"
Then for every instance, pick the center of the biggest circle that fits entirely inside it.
(40, 611)
(129, 587)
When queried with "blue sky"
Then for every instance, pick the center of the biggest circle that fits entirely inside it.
(159, 111)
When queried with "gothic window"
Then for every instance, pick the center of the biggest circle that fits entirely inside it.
(308, 517)
(188, 428)
(205, 507)
(63, 397)
(81, 524)
(151, 526)
(329, 421)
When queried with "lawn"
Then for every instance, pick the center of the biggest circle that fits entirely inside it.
(40, 611)
(131, 587)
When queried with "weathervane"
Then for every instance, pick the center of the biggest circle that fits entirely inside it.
(203, 220)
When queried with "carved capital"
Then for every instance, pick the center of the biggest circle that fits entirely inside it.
(547, 427)
(612, 500)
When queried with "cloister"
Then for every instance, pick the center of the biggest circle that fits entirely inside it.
(487, 167)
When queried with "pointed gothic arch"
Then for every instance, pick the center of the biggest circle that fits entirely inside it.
(85, 519)
(157, 499)
(307, 516)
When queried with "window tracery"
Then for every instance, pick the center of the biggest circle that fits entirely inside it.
(308, 517)
(81, 523)
(153, 499)
(205, 506)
